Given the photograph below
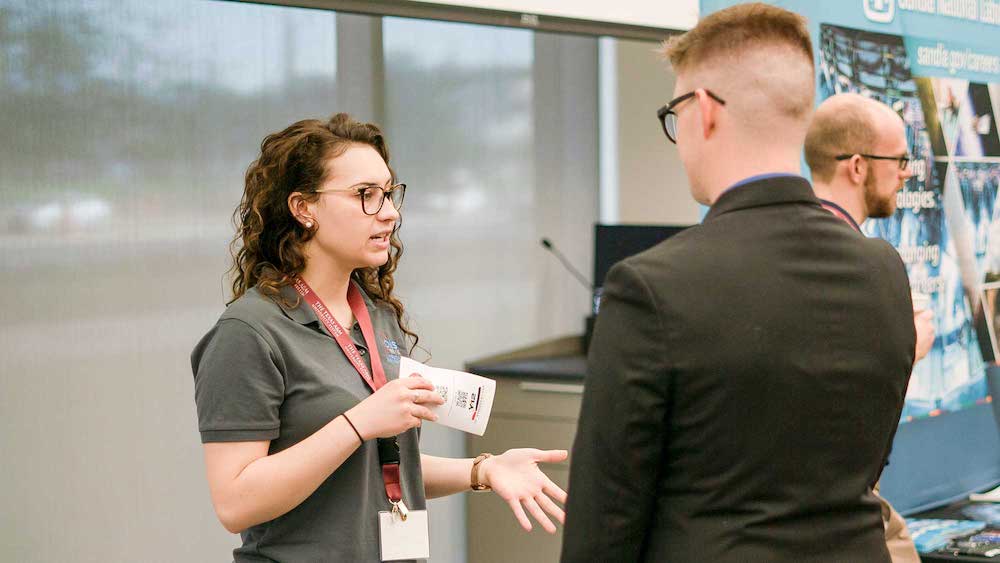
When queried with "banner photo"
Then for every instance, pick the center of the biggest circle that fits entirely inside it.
(937, 63)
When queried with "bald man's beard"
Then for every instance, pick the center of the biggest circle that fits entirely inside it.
(877, 205)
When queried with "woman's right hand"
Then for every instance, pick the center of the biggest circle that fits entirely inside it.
(395, 408)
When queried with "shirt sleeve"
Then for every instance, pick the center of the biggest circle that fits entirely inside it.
(238, 386)
(617, 453)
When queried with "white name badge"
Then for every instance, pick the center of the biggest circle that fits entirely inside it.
(399, 539)
(468, 398)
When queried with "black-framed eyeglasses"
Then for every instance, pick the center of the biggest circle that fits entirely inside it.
(668, 117)
(903, 161)
(373, 197)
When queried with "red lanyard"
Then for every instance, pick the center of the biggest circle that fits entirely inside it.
(839, 212)
(390, 460)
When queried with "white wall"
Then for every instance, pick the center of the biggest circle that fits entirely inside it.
(652, 185)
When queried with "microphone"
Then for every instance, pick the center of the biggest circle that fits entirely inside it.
(569, 267)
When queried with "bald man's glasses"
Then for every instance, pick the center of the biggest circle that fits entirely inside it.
(903, 161)
(668, 117)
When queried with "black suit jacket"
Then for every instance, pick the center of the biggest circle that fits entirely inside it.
(745, 380)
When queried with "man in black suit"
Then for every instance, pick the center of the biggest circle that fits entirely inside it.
(746, 376)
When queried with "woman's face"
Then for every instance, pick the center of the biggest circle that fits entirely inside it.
(344, 233)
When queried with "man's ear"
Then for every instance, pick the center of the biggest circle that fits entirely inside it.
(857, 169)
(707, 107)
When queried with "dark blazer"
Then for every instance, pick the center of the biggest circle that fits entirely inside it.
(745, 380)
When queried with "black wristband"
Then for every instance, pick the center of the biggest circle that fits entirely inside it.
(354, 428)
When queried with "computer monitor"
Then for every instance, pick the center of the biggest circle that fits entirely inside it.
(614, 243)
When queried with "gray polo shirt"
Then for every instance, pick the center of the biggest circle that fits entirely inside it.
(265, 372)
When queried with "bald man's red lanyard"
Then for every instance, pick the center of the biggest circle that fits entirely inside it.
(840, 212)
(388, 449)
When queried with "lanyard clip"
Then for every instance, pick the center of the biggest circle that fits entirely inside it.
(400, 509)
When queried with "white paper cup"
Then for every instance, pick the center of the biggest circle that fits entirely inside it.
(921, 301)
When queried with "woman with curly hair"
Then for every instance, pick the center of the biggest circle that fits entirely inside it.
(309, 431)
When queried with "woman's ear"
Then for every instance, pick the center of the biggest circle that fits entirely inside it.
(301, 209)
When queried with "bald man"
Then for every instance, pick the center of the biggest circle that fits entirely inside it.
(856, 148)
(857, 151)
(736, 408)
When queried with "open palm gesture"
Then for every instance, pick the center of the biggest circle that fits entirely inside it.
(515, 476)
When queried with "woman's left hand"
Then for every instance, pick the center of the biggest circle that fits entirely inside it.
(515, 476)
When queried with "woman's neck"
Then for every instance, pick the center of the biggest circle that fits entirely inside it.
(330, 283)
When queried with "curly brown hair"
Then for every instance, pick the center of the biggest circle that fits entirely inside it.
(268, 249)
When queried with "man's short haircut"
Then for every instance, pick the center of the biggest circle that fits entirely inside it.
(764, 34)
(844, 124)
(735, 29)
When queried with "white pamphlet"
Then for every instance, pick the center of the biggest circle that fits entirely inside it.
(468, 398)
